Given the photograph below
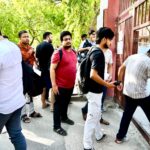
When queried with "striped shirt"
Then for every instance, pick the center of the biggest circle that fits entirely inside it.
(136, 76)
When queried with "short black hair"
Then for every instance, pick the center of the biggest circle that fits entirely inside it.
(21, 32)
(84, 36)
(46, 34)
(64, 33)
(104, 32)
(91, 31)
(148, 51)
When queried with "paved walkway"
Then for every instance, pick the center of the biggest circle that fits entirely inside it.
(40, 136)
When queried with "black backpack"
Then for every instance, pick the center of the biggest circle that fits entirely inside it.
(87, 44)
(84, 72)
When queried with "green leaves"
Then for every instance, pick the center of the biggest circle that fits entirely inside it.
(38, 16)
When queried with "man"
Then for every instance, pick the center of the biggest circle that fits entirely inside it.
(108, 69)
(63, 73)
(29, 59)
(86, 45)
(97, 61)
(83, 49)
(136, 69)
(44, 52)
(11, 95)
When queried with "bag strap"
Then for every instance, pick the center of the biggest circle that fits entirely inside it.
(61, 53)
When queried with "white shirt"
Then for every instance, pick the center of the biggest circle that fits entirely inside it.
(136, 76)
(11, 88)
(108, 60)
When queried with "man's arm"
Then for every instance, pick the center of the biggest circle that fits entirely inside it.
(83, 49)
(94, 76)
(53, 78)
(121, 72)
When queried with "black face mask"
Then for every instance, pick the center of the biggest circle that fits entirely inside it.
(105, 46)
(67, 47)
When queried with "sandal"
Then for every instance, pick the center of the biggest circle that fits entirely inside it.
(35, 115)
(60, 131)
(25, 119)
(102, 121)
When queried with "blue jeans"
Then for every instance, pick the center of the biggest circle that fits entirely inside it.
(12, 122)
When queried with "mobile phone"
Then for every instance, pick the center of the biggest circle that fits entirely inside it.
(116, 83)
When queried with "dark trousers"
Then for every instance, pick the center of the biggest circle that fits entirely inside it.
(130, 107)
(61, 106)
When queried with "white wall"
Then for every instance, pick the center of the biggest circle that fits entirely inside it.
(103, 5)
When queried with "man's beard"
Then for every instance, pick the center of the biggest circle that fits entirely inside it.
(25, 43)
(106, 46)
(67, 47)
(50, 41)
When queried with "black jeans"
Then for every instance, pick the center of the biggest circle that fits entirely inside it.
(130, 107)
(61, 106)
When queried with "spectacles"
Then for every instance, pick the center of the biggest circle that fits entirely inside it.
(66, 39)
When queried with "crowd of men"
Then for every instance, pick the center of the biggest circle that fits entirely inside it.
(58, 72)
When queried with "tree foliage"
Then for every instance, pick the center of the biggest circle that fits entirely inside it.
(38, 16)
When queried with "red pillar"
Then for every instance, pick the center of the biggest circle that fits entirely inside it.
(110, 20)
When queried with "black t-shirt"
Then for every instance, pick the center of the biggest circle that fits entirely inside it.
(97, 61)
(44, 52)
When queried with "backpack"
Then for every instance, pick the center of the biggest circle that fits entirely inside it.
(82, 55)
(84, 72)
(87, 44)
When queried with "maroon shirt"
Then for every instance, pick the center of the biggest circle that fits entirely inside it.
(66, 69)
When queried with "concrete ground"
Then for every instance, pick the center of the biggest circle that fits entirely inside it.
(40, 136)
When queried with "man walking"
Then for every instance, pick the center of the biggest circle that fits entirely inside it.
(136, 69)
(11, 92)
(97, 64)
(44, 52)
(63, 73)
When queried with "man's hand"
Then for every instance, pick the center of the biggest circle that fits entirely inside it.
(55, 89)
(110, 85)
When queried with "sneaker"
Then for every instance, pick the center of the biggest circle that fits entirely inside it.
(99, 140)
(118, 141)
(68, 121)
